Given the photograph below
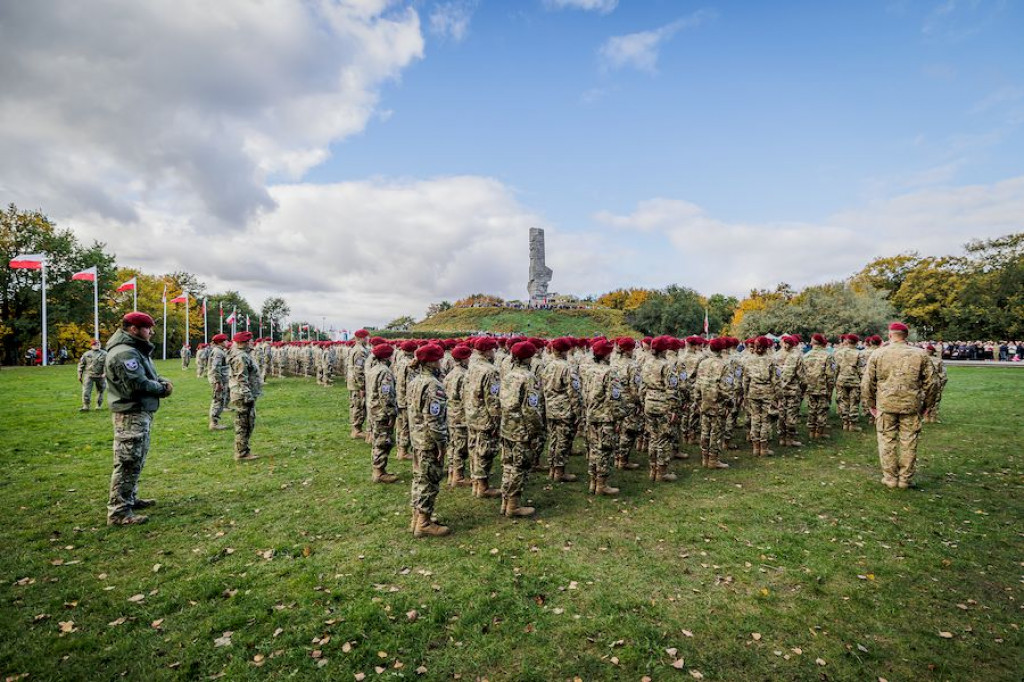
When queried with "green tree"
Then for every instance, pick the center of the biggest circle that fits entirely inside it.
(887, 273)
(931, 296)
(400, 323)
(676, 310)
(720, 312)
(831, 309)
(275, 311)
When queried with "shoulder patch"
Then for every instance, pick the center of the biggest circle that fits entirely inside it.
(673, 380)
(132, 364)
(533, 400)
(495, 387)
(435, 408)
(576, 383)
(616, 392)
(385, 389)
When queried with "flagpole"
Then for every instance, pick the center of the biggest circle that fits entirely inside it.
(186, 322)
(165, 321)
(96, 304)
(205, 333)
(135, 297)
(261, 325)
(221, 306)
(45, 347)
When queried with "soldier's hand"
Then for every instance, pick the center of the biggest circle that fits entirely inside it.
(168, 389)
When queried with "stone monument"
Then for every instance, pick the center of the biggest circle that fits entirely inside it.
(540, 274)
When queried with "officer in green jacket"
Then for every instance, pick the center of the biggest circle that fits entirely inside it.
(134, 392)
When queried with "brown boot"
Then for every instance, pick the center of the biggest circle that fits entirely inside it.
(356, 434)
(765, 452)
(427, 528)
(487, 491)
(127, 520)
(715, 463)
(704, 458)
(601, 487)
(664, 475)
(214, 426)
(459, 480)
(381, 476)
(512, 508)
(561, 477)
(629, 466)
(652, 473)
(793, 443)
(476, 487)
(246, 458)
(593, 485)
(415, 521)
(756, 448)
(403, 454)
(504, 506)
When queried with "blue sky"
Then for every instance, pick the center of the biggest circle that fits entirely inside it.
(364, 158)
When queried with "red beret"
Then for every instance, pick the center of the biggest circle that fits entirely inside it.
(719, 344)
(562, 345)
(523, 350)
(361, 333)
(242, 337)
(602, 348)
(819, 339)
(382, 351)
(898, 327)
(485, 344)
(429, 353)
(461, 352)
(409, 346)
(852, 338)
(375, 340)
(646, 341)
(217, 338)
(931, 348)
(763, 342)
(661, 343)
(625, 343)
(139, 319)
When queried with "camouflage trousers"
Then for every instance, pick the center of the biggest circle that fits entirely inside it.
(629, 431)
(731, 413)
(817, 411)
(662, 435)
(483, 448)
(426, 478)
(185, 362)
(900, 430)
(382, 438)
(602, 442)
(404, 439)
(561, 433)
(245, 423)
(712, 428)
(759, 418)
(517, 459)
(789, 414)
(87, 383)
(357, 409)
(218, 402)
(131, 445)
(691, 420)
(458, 449)
(847, 398)
(200, 368)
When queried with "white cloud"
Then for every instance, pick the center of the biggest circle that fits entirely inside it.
(600, 6)
(451, 19)
(714, 255)
(640, 50)
(186, 103)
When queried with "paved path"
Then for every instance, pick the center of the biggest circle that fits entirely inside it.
(984, 363)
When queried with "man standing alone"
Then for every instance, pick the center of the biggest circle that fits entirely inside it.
(135, 393)
(90, 373)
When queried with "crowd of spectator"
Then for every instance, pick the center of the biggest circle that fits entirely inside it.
(992, 351)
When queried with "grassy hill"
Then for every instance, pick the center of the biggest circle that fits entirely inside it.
(548, 323)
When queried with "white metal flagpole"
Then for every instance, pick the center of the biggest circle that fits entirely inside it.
(135, 297)
(205, 334)
(45, 347)
(165, 320)
(96, 304)
(186, 321)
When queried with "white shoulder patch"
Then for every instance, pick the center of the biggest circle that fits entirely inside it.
(132, 365)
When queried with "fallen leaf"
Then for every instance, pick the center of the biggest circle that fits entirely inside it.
(258, 659)
(678, 664)
(412, 615)
(119, 621)
(360, 677)
(224, 640)
(346, 647)
(379, 669)
(687, 633)
(157, 623)
(646, 678)
(136, 598)
(862, 648)
(382, 654)
(229, 593)
(278, 631)
(615, 660)
(422, 670)
(67, 626)
(820, 661)
(57, 562)
(756, 636)
(696, 674)
(40, 617)
(559, 611)
(317, 653)
(672, 651)
(797, 650)
(157, 567)
(307, 551)
(494, 550)
(946, 635)
(399, 665)
(573, 585)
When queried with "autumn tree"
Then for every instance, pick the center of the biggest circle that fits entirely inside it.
(479, 300)
(624, 299)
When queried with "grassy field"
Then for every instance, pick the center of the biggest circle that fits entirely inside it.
(547, 323)
(799, 567)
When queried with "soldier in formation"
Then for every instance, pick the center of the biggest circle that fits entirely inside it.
(217, 375)
(186, 356)
(246, 386)
(382, 409)
(91, 368)
(428, 428)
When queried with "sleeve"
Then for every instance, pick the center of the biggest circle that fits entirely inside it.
(929, 384)
(868, 382)
(81, 364)
(239, 380)
(130, 374)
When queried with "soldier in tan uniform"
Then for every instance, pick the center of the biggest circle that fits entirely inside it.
(217, 374)
(522, 418)
(90, 373)
(428, 430)
(355, 375)
(898, 387)
(458, 434)
(932, 416)
(246, 386)
(628, 369)
(561, 401)
(661, 405)
(403, 359)
(714, 384)
(602, 401)
(873, 343)
(789, 367)
(760, 392)
(819, 370)
(848, 376)
(382, 408)
(483, 414)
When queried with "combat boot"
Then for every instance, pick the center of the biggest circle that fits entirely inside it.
(83, 409)
(487, 491)
(458, 480)
(216, 426)
(756, 448)
(128, 520)
(715, 463)
(356, 434)
(512, 507)
(765, 452)
(246, 458)
(652, 473)
(561, 477)
(427, 528)
(593, 485)
(601, 487)
(704, 458)
(403, 454)
(664, 475)
(143, 503)
(629, 466)
(415, 521)
(381, 476)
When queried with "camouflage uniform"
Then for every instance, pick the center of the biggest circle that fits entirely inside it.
(135, 391)
(561, 401)
(403, 362)
(760, 391)
(458, 445)
(522, 418)
(734, 398)
(691, 358)
(428, 422)
(660, 382)
(246, 386)
(900, 383)
(940, 377)
(628, 370)
(603, 407)
(714, 385)
(90, 373)
(202, 357)
(819, 369)
(789, 367)
(217, 374)
(186, 356)
(848, 376)
(356, 384)
(383, 408)
(483, 415)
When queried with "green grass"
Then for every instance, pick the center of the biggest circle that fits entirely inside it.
(808, 550)
(547, 323)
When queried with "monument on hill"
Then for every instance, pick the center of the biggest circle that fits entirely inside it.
(540, 274)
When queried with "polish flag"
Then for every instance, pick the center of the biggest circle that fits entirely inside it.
(86, 275)
(28, 261)
(180, 299)
(128, 286)
(231, 318)
(705, 322)
(163, 296)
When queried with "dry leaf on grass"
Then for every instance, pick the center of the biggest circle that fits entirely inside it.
(946, 635)
(224, 640)
(136, 598)
(119, 621)
(678, 664)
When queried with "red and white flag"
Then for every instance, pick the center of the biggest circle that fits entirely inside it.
(128, 286)
(28, 261)
(86, 275)
(305, 327)
(231, 317)
(180, 299)
(163, 296)
(204, 308)
(705, 322)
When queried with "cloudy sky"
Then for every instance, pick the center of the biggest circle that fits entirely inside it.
(363, 158)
